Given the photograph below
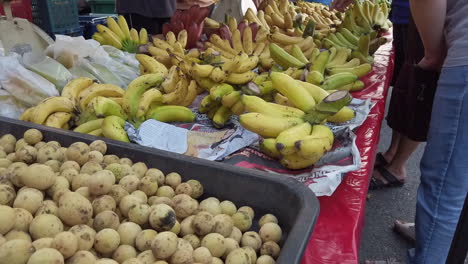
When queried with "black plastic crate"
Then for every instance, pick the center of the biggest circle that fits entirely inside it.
(296, 206)
(55, 16)
(89, 22)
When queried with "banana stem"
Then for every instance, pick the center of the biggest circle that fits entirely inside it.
(329, 106)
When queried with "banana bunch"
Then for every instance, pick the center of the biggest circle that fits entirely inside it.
(151, 96)
(172, 50)
(280, 14)
(220, 69)
(367, 16)
(110, 127)
(324, 19)
(57, 111)
(118, 34)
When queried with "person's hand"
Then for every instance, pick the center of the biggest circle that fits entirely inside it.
(340, 5)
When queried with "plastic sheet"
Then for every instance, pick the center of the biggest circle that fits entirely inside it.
(337, 234)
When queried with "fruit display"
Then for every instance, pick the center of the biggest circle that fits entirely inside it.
(79, 204)
(190, 20)
(324, 19)
(118, 34)
(103, 109)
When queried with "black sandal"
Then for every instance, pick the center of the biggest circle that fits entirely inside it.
(380, 160)
(391, 179)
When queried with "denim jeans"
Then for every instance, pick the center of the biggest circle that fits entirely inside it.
(444, 169)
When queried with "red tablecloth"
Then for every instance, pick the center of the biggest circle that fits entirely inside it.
(337, 234)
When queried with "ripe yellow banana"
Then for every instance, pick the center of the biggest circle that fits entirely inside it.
(171, 113)
(160, 55)
(106, 90)
(247, 41)
(113, 128)
(171, 38)
(286, 139)
(221, 116)
(268, 146)
(182, 38)
(162, 44)
(231, 23)
(258, 105)
(317, 93)
(247, 64)
(344, 115)
(297, 94)
(201, 70)
(231, 99)
(143, 36)
(49, 106)
(284, 39)
(218, 75)
(261, 17)
(238, 108)
(136, 89)
(206, 83)
(282, 100)
(237, 41)
(58, 119)
(115, 28)
(109, 36)
(73, 88)
(169, 84)
(177, 96)
(259, 47)
(103, 106)
(296, 162)
(241, 78)
(149, 97)
(134, 35)
(151, 65)
(191, 94)
(27, 114)
(297, 53)
(124, 26)
(267, 126)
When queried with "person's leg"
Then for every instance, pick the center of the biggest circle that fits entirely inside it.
(393, 148)
(397, 166)
(444, 169)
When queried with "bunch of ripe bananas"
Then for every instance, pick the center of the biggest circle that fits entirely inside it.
(119, 35)
(286, 126)
(324, 19)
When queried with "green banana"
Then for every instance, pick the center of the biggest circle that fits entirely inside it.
(345, 41)
(89, 126)
(320, 63)
(359, 71)
(221, 116)
(344, 115)
(336, 81)
(113, 128)
(317, 92)
(207, 104)
(292, 90)
(363, 45)
(335, 40)
(297, 53)
(217, 92)
(314, 77)
(350, 36)
(340, 57)
(352, 63)
(282, 58)
(313, 55)
(102, 107)
(363, 59)
(136, 89)
(171, 113)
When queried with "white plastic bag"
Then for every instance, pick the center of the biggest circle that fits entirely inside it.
(69, 50)
(48, 68)
(25, 85)
(125, 72)
(11, 107)
(122, 56)
(102, 73)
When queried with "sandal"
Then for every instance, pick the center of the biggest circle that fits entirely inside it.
(392, 181)
(380, 160)
(406, 230)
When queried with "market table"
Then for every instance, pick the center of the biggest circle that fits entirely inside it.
(337, 234)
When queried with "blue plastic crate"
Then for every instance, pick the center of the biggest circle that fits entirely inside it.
(73, 32)
(55, 16)
(89, 22)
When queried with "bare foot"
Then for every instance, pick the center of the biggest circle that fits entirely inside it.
(406, 230)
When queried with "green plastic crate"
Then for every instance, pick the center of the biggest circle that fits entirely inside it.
(102, 6)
